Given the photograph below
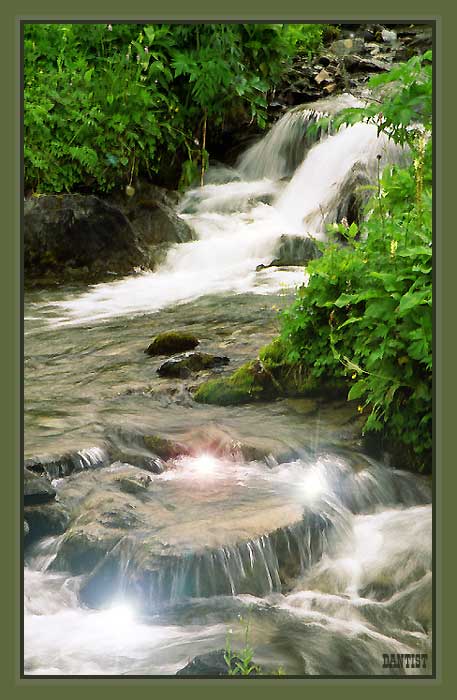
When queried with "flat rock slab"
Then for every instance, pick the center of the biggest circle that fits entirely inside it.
(187, 508)
(212, 526)
(206, 527)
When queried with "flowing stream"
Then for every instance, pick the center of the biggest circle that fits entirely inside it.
(271, 514)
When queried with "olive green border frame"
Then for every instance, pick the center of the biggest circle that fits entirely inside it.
(11, 347)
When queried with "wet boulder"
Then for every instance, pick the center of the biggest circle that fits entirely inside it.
(151, 212)
(146, 451)
(171, 342)
(58, 466)
(164, 448)
(83, 547)
(135, 458)
(293, 250)
(211, 664)
(46, 519)
(182, 366)
(37, 489)
(119, 518)
(64, 233)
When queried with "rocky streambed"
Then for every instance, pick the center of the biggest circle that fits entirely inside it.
(150, 539)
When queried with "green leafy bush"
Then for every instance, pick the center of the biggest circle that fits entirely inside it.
(366, 315)
(105, 102)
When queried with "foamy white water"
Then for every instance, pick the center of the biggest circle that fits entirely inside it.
(239, 223)
(312, 194)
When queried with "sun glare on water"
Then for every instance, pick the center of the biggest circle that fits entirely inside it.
(204, 465)
(313, 484)
(118, 618)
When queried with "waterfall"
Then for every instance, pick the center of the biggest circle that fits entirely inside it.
(311, 199)
(240, 217)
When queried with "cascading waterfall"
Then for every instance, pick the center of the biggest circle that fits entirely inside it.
(311, 198)
(239, 219)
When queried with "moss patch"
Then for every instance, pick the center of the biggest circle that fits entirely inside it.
(264, 379)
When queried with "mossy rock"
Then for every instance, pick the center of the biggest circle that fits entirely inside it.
(250, 382)
(171, 342)
(269, 377)
(163, 447)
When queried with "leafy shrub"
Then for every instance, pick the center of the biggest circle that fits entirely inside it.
(366, 314)
(105, 102)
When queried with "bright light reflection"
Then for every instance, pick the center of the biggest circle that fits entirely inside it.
(204, 464)
(118, 618)
(313, 484)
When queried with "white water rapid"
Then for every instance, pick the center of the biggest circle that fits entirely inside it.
(238, 223)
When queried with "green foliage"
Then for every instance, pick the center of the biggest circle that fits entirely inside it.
(240, 663)
(366, 314)
(105, 102)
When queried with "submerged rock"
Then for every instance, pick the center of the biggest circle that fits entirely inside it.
(134, 484)
(183, 365)
(171, 543)
(170, 342)
(150, 464)
(82, 548)
(37, 489)
(123, 519)
(145, 451)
